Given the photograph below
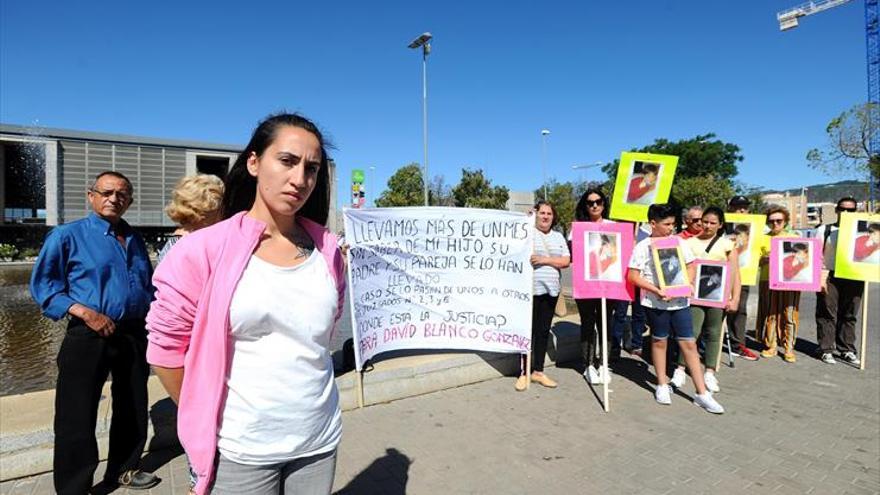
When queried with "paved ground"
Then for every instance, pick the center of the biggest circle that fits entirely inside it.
(789, 428)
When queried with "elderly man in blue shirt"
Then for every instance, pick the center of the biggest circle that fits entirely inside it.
(96, 271)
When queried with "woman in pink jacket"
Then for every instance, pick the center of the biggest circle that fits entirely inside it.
(243, 316)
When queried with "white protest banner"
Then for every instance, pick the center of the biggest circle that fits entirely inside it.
(439, 278)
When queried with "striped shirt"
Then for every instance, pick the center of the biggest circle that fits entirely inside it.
(546, 279)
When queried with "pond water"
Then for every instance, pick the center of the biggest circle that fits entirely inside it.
(29, 342)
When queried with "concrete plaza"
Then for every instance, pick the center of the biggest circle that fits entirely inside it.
(806, 427)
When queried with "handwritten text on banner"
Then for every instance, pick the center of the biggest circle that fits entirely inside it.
(439, 278)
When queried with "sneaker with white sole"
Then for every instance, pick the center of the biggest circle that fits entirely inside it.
(592, 375)
(678, 378)
(851, 358)
(711, 382)
(663, 394)
(828, 358)
(707, 402)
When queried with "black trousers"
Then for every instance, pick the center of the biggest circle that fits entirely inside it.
(84, 361)
(836, 312)
(590, 311)
(736, 323)
(542, 318)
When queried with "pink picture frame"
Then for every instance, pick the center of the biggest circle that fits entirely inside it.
(796, 264)
(669, 266)
(600, 257)
(712, 282)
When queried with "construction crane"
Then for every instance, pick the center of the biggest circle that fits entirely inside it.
(788, 19)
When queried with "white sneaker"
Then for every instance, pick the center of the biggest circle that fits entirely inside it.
(663, 395)
(604, 375)
(592, 375)
(707, 402)
(678, 378)
(851, 358)
(828, 358)
(711, 382)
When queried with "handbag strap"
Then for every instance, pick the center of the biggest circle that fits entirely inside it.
(712, 243)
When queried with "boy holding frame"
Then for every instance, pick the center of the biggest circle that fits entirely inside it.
(667, 314)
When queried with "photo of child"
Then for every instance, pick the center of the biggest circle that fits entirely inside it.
(795, 265)
(603, 257)
(670, 266)
(742, 238)
(643, 183)
(866, 247)
(710, 285)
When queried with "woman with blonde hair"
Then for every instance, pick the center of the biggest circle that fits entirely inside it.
(777, 309)
(195, 203)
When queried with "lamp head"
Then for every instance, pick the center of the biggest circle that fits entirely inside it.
(423, 39)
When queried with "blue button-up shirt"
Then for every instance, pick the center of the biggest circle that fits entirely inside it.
(83, 262)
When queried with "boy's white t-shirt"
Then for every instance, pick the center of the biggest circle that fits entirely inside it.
(643, 260)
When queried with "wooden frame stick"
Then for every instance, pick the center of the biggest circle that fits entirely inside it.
(360, 388)
(605, 405)
(864, 345)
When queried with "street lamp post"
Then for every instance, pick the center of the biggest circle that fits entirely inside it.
(424, 41)
(585, 166)
(544, 134)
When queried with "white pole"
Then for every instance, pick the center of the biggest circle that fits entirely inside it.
(864, 345)
(544, 133)
(425, 117)
(605, 405)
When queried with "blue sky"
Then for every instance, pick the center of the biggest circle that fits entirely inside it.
(601, 76)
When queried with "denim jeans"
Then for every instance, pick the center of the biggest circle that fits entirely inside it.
(637, 324)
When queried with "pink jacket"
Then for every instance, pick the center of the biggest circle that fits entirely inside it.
(188, 322)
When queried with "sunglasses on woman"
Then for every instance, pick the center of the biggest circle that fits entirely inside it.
(776, 220)
(598, 202)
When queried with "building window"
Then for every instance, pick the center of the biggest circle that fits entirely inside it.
(23, 179)
(214, 165)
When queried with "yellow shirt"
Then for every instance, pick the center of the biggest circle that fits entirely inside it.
(764, 251)
(719, 252)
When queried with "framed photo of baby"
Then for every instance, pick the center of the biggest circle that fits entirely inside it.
(713, 283)
(858, 247)
(600, 255)
(642, 180)
(746, 232)
(795, 264)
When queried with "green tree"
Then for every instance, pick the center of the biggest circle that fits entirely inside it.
(564, 197)
(847, 151)
(439, 193)
(476, 191)
(705, 171)
(703, 191)
(697, 157)
(405, 188)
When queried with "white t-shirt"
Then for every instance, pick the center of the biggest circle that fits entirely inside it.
(643, 260)
(282, 401)
(829, 250)
(546, 277)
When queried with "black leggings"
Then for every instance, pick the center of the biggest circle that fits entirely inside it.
(542, 317)
(590, 311)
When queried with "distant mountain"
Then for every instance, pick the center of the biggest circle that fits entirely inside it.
(829, 193)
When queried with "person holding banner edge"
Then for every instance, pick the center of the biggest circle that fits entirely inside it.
(591, 208)
(243, 317)
(711, 244)
(667, 314)
(550, 255)
(837, 304)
